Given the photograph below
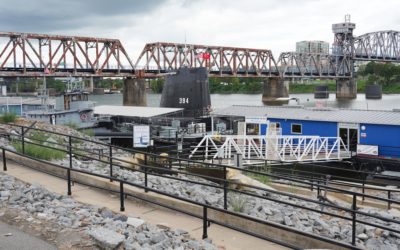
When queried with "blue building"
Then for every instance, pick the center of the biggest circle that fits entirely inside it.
(369, 132)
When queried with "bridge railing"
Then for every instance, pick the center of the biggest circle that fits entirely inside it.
(273, 147)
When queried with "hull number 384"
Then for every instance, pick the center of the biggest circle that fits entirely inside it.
(183, 100)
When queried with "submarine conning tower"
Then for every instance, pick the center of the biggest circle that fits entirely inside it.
(187, 89)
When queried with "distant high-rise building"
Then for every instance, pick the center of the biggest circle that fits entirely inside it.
(318, 47)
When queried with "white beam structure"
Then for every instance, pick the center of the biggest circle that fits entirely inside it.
(273, 148)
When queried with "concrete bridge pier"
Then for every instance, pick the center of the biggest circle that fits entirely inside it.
(346, 89)
(273, 89)
(91, 85)
(134, 92)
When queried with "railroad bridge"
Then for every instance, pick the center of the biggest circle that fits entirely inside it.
(37, 55)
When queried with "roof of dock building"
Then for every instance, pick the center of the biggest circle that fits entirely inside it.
(386, 117)
(134, 111)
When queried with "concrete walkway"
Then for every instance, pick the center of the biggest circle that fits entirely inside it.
(12, 238)
(223, 237)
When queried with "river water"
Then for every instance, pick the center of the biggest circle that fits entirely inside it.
(388, 102)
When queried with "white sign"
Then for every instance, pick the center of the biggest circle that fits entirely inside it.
(348, 125)
(141, 136)
(367, 149)
(52, 119)
(4, 90)
(256, 120)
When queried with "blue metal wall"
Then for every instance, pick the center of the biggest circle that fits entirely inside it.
(325, 129)
(387, 137)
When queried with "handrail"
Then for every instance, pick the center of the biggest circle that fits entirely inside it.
(205, 206)
(224, 166)
(223, 180)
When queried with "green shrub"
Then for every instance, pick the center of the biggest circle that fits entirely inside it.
(261, 178)
(39, 152)
(72, 125)
(238, 203)
(8, 117)
(88, 132)
(38, 136)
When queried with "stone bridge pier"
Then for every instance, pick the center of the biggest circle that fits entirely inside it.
(273, 89)
(134, 92)
(346, 88)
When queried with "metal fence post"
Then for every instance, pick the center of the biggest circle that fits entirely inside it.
(70, 151)
(69, 181)
(145, 173)
(354, 207)
(121, 196)
(318, 189)
(4, 160)
(205, 222)
(312, 183)
(225, 189)
(111, 163)
(363, 189)
(23, 140)
(389, 197)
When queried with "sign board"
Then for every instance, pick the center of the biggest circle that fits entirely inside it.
(4, 90)
(257, 120)
(367, 149)
(53, 119)
(348, 125)
(141, 136)
(180, 147)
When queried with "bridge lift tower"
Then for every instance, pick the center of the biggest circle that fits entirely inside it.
(343, 51)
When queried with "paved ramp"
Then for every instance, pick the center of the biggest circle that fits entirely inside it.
(223, 237)
(20, 240)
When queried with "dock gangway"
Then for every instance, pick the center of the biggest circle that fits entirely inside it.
(281, 148)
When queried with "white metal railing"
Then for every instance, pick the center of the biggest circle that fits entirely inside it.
(273, 147)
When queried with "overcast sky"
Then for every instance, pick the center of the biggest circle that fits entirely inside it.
(266, 24)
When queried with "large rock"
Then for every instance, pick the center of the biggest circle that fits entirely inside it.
(106, 239)
(362, 236)
(135, 222)
(241, 180)
(4, 193)
(157, 237)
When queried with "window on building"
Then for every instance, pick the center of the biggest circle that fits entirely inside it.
(296, 128)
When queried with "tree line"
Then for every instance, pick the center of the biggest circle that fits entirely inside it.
(221, 85)
(380, 73)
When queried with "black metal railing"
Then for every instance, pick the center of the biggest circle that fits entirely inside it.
(176, 174)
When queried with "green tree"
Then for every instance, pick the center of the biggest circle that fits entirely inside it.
(156, 85)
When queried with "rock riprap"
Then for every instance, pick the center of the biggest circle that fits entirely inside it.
(97, 226)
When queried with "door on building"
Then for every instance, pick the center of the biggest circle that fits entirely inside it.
(349, 135)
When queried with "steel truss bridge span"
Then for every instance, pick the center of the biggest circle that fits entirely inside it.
(378, 46)
(381, 46)
(26, 54)
(221, 61)
(31, 55)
